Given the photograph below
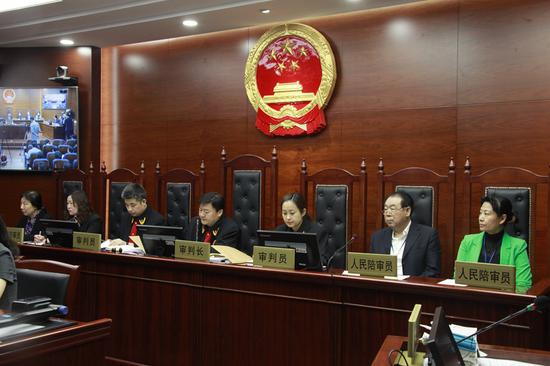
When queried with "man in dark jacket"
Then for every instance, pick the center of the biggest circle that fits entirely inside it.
(416, 246)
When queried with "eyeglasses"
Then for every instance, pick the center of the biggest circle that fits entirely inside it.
(391, 209)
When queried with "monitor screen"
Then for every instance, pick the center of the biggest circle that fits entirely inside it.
(159, 240)
(39, 128)
(305, 245)
(441, 343)
(60, 232)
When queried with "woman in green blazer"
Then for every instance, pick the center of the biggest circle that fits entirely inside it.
(493, 244)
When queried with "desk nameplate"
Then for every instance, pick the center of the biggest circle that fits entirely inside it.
(271, 257)
(192, 250)
(370, 264)
(87, 241)
(495, 276)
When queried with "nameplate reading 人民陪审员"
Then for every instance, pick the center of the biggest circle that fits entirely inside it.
(192, 250)
(497, 276)
(87, 241)
(16, 233)
(369, 264)
(283, 258)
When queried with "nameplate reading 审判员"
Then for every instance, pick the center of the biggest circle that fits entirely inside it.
(283, 258)
(87, 241)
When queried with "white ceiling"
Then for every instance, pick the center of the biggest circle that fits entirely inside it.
(104, 23)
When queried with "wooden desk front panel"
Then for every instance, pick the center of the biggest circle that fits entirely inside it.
(169, 312)
(374, 308)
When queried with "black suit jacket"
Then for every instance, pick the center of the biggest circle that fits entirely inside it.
(422, 253)
(225, 232)
(151, 216)
(37, 227)
(93, 225)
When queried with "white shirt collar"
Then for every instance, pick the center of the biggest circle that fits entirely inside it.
(404, 233)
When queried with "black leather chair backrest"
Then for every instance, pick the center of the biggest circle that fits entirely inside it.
(31, 282)
(521, 206)
(423, 198)
(246, 205)
(116, 207)
(331, 208)
(178, 204)
(70, 186)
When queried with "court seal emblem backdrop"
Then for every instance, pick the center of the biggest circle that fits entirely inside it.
(289, 77)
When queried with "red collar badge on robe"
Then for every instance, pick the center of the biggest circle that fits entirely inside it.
(289, 77)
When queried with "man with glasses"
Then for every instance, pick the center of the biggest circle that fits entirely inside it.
(416, 246)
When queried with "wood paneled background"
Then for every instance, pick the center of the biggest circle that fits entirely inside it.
(417, 84)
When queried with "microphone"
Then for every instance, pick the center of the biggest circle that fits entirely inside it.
(197, 229)
(33, 316)
(345, 246)
(540, 303)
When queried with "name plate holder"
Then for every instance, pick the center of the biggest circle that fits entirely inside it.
(87, 241)
(487, 275)
(16, 233)
(192, 250)
(271, 257)
(370, 264)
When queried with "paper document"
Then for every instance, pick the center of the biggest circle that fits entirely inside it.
(451, 282)
(233, 255)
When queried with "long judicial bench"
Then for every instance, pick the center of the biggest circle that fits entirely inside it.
(168, 311)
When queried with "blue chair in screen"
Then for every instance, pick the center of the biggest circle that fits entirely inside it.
(61, 164)
(40, 164)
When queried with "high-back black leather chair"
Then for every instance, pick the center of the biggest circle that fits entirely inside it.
(433, 195)
(178, 194)
(56, 280)
(249, 185)
(112, 186)
(331, 194)
(524, 189)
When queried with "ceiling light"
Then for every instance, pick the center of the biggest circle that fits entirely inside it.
(22, 4)
(265, 11)
(66, 42)
(190, 23)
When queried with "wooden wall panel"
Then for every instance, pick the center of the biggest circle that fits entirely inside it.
(417, 84)
(502, 51)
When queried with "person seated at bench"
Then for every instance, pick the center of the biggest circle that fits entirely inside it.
(32, 210)
(416, 246)
(493, 244)
(78, 209)
(212, 226)
(138, 212)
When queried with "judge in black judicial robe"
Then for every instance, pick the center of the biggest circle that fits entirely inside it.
(212, 226)
(296, 219)
(138, 211)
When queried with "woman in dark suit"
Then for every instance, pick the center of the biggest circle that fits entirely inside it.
(296, 219)
(32, 210)
(78, 208)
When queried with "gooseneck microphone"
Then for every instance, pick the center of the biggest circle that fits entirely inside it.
(345, 246)
(197, 229)
(540, 303)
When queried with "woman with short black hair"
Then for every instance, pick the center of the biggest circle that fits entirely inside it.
(32, 210)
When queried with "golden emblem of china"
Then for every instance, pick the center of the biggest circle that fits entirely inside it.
(289, 77)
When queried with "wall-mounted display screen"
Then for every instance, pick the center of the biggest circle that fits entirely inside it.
(39, 128)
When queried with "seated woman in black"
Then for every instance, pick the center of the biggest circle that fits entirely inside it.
(8, 276)
(78, 208)
(295, 217)
(33, 211)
